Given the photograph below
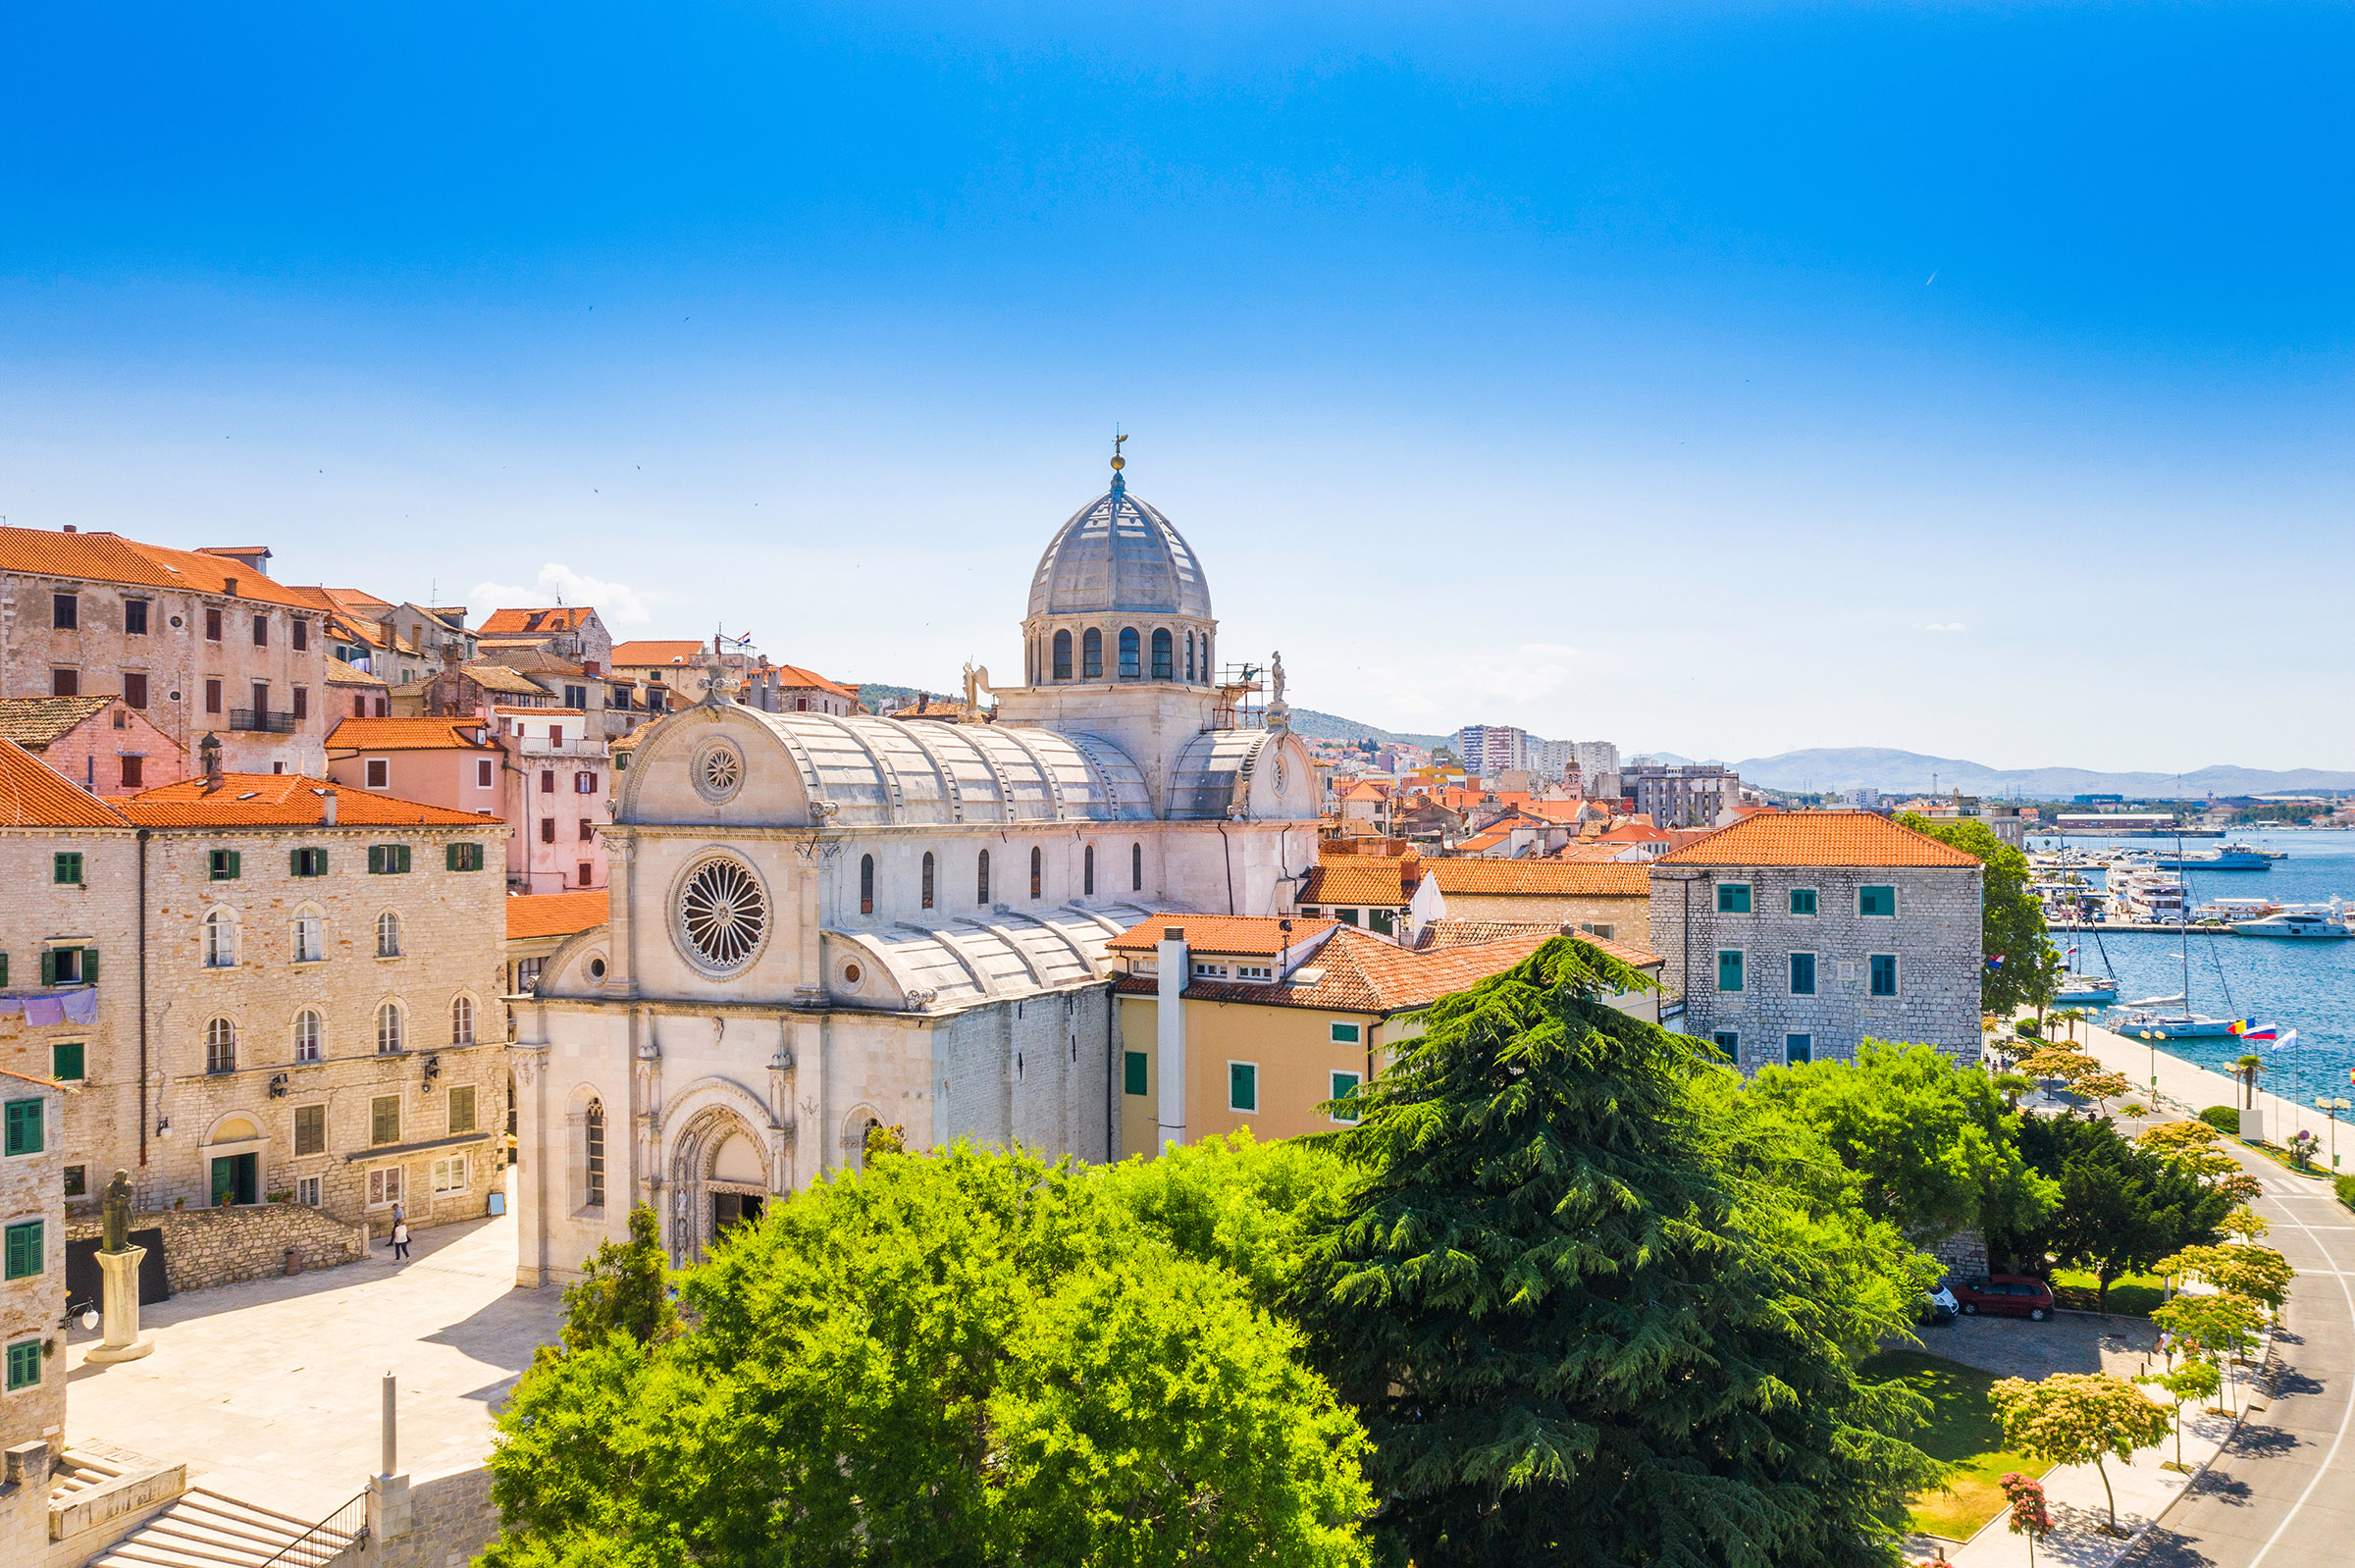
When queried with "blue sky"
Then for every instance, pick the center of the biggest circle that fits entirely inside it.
(1972, 378)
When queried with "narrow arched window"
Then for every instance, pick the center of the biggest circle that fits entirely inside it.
(1137, 867)
(1091, 655)
(310, 938)
(1088, 871)
(387, 936)
(220, 940)
(1128, 652)
(593, 1143)
(1063, 655)
(308, 1035)
(866, 884)
(461, 1020)
(220, 1046)
(928, 879)
(981, 881)
(1189, 656)
(388, 1029)
(1163, 666)
(1038, 867)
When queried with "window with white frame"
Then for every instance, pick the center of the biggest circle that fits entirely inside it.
(310, 938)
(461, 1020)
(450, 1176)
(387, 936)
(306, 1191)
(1344, 1096)
(309, 1032)
(384, 1187)
(220, 940)
(388, 1028)
(1242, 1087)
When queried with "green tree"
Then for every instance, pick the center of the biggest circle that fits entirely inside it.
(625, 1287)
(963, 1358)
(2260, 1274)
(2123, 1206)
(1594, 1305)
(2011, 921)
(2075, 1418)
(1934, 1145)
(2194, 1380)
(2222, 1325)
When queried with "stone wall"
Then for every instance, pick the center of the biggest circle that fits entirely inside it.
(441, 1522)
(205, 1247)
(1963, 1255)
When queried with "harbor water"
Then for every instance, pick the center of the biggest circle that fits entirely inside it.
(2306, 985)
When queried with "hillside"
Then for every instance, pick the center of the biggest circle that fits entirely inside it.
(1907, 772)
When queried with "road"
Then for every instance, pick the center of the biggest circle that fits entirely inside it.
(2282, 1492)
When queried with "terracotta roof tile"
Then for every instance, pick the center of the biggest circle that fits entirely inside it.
(35, 795)
(556, 913)
(1553, 878)
(1247, 936)
(33, 722)
(1439, 935)
(499, 678)
(792, 677)
(641, 653)
(107, 557)
(1366, 973)
(284, 799)
(540, 622)
(406, 735)
(1356, 879)
(1817, 838)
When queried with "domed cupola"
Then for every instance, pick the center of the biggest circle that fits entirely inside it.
(1119, 596)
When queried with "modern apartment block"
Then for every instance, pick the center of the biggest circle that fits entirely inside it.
(1793, 935)
(1692, 795)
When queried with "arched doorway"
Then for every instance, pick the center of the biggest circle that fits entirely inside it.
(719, 1174)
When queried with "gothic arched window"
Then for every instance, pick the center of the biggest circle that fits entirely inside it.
(866, 884)
(1091, 655)
(1039, 863)
(461, 1020)
(928, 879)
(1128, 652)
(388, 1029)
(1063, 655)
(1088, 871)
(1137, 867)
(981, 882)
(1163, 668)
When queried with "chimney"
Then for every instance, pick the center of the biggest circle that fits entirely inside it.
(327, 808)
(1171, 972)
(208, 757)
(228, 586)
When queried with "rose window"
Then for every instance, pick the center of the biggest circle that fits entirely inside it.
(719, 771)
(722, 914)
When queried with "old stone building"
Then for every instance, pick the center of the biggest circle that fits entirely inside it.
(822, 923)
(32, 1310)
(1597, 898)
(196, 641)
(574, 632)
(1791, 936)
(101, 743)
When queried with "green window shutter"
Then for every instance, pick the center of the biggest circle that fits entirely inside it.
(1733, 898)
(295, 863)
(1132, 1069)
(236, 865)
(451, 856)
(403, 850)
(66, 869)
(1346, 1034)
(24, 1258)
(89, 966)
(1243, 1086)
(48, 966)
(376, 860)
(1729, 971)
(65, 1059)
(24, 1364)
(318, 862)
(3, 968)
(23, 1135)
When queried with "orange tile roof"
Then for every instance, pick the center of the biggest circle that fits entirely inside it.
(406, 735)
(1441, 935)
(654, 653)
(1540, 878)
(1248, 935)
(1365, 973)
(284, 799)
(793, 678)
(111, 558)
(35, 795)
(549, 621)
(1817, 838)
(1354, 879)
(1633, 833)
(556, 913)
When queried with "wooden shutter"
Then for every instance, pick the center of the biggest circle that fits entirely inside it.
(89, 966)
(49, 967)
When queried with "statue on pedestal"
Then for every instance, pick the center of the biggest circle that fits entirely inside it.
(119, 1271)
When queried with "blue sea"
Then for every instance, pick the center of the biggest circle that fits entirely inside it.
(2304, 985)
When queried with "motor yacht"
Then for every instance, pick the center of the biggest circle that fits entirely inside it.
(2298, 923)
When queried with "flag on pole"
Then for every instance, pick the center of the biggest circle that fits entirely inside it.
(2289, 1037)
(2247, 1030)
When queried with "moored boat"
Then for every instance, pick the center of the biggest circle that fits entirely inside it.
(2295, 923)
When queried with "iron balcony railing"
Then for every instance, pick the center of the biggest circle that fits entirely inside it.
(261, 720)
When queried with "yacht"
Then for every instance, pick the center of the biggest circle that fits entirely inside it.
(2227, 857)
(2145, 895)
(2080, 991)
(2175, 1023)
(2294, 923)
(2228, 912)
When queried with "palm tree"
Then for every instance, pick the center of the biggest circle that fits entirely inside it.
(2246, 1069)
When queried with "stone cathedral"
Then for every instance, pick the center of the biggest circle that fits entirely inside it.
(820, 923)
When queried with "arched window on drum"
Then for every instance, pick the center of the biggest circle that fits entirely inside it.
(866, 884)
(1164, 668)
(1137, 867)
(928, 879)
(1129, 653)
(1091, 655)
(981, 881)
(1063, 655)
(1088, 871)
(1038, 865)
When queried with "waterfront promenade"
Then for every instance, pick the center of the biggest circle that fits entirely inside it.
(2194, 1089)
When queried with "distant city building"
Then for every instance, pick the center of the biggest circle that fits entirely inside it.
(1598, 769)
(1865, 798)
(1691, 795)
(1488, 750)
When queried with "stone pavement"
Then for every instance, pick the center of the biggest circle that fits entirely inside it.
(271, 1390)
(2070, 1341)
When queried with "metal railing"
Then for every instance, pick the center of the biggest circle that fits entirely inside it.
(261, 720)
(327, 1540)
(569, 746)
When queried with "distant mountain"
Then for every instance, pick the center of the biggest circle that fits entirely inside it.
(1313, 725)
(1841, 768)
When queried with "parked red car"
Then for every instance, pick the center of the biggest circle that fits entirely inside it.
(2013, 1296)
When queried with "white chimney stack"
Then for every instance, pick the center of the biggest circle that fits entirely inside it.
(1172, 969)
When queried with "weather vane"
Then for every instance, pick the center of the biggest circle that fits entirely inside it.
(1118, 440)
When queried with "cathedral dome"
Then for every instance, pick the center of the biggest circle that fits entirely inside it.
(1117, 556)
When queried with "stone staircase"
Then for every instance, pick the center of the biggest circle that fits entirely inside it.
(205, 1530)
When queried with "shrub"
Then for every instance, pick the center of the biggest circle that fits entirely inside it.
(2345, 1186)
(2226, 1118)
(2029, 1028)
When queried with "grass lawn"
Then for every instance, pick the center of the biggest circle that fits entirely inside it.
(2131, 1296)
(1962, 1433)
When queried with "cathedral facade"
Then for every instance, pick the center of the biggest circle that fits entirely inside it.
(822, 924)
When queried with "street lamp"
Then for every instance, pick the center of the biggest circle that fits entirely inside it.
(2333, 1107)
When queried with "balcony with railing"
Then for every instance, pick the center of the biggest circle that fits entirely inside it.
(261, 720)
(583, 745)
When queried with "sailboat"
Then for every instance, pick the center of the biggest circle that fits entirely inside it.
(2079, 989)
(2169, 1017)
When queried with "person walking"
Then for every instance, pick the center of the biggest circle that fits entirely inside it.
(400, 1240)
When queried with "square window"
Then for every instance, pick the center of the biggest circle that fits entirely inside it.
(481, 773)
(26, 1127)
(1132, 1073)
(310, 1130)
(77, 1180)
(1729, 969)
(133, 771)
(24, 1364)
(461, 1108)
(65, 683)
(1605, 931)
(384, 1119)
(1884, 974)
(134, 616)
(1803, 901)
(1344, 1096)
(65, 612)
(212, 697)
(1802, 974)
(1347, 1033)
(306, 1191)
(302, 636)
(65, 1060)
(1733, 898)
(211, 626)
(1728, 1041)
(450, 1176)
(1876, 901)
(384, 1187)
(547, 830)
(134, 692)
(379, 774)
(65, 871)
(24, 1258)
(1243, 1086)
(223, 866)
(1799, 1048)
(261, 631)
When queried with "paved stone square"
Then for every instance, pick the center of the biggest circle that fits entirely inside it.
(270, 1390)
